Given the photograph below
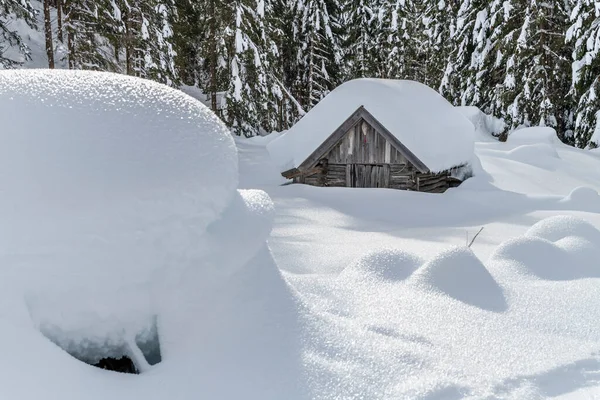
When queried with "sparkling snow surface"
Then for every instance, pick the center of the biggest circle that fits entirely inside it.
(360, 293)
(397, 305)
(438, 134)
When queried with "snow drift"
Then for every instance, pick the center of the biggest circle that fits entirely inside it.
(557, 248)
(429, 126)
(486, 126)
(383, 264)
(123, 234)
(541, 155)
(458, 273)
(534, 135)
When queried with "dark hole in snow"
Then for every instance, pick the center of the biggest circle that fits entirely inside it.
(123, 364)
(133, 356)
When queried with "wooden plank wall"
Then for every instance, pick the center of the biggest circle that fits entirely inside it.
(362, 144)
(364, 158)
(396, 176)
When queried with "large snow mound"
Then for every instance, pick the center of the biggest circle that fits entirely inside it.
(486, 126)
(123, 234)
(534, 135)
(458, 273)
(108, 181)
(430, 127)
(104, 144)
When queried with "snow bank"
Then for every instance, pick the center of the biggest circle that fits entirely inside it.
(104, 144)
(383, 264)
(583, 198)
(535, 257)
(541, 155)
(556, 248)
(486, 126)
(562, 226)
(123, 234)
(107, 181)
(458, 273)
(262, 140)
(420, 118)
(534, 135)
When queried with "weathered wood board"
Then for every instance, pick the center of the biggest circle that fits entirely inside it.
(365, 158)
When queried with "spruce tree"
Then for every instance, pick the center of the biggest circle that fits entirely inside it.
(10, 39)
(149, 36)
(584, 35)
(250, 103)
(468, 48)
(285, 67)
(533, 56)
(360, 48)
(439, 20)
(88, 24)
(319, 55)
(399, 38)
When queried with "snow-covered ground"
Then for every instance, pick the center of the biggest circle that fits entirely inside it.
(397, 306)
(126, 230)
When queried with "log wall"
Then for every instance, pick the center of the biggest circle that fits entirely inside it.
(362, 144)
(364, 158)
(393, 176)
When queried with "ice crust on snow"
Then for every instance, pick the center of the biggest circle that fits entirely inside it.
(383, 339)
(232, 326)
(430, 127)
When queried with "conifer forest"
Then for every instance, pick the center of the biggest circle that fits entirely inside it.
(262, 64)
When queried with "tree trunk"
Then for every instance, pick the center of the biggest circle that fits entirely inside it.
(59, 20)
(213, 61)
(128, 44)
(310, 75)
(48, 32)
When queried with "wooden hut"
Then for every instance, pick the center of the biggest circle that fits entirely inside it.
(370, 152)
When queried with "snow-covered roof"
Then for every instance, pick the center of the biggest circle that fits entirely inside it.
(430, 127)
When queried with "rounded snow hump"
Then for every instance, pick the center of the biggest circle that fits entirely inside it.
(458, 273)
(88, 141)
(383, 264)
(106, 175)
(557, 248)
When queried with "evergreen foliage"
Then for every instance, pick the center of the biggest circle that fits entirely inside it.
(263, 63)
(584, 35)
(11, 42)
